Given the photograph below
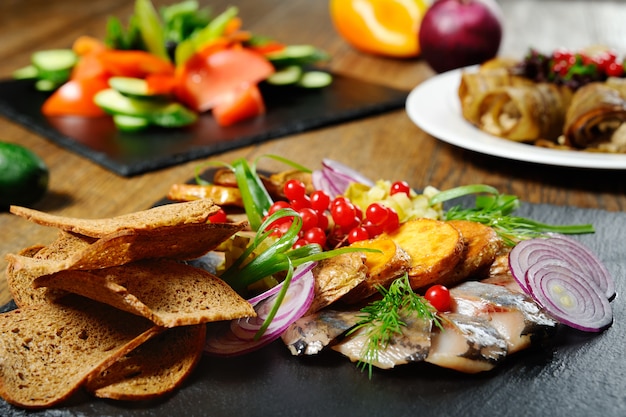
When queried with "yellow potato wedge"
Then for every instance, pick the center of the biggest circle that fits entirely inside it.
(435, 248)
(382, 267)
(482, 245)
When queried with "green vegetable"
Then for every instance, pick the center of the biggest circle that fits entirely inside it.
(383, 318)
(23, 175)
(494, 209)
(162, 113)
(151, 28)
(210, 32)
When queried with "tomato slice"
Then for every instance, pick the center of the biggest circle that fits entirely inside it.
(75, 98)
(134, 63)
(240, 104)
(207, 79)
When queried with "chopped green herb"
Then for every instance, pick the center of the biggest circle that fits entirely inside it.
(382, 318)
(494, 209)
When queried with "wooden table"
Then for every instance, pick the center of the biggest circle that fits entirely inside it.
(386, 146)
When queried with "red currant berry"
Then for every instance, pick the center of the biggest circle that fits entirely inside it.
(309, 218)
(277, 206)
(301, 203)
(320, 201)
(294, 190)
(357, 234)
(343, 213)
(300, 243)
(315, 235)
(393, 221)
(373, 230)
(400, 187)
(377, 213)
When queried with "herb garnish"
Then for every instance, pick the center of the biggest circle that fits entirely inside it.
(382, 318)
(494, 209)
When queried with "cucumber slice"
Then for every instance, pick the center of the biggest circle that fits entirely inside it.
(300, 55)
(46, 85)
(28, 72)
(315, 79)
(286, 76)
(131, 87)
(130, 123)
(157, 112)
(55, 64)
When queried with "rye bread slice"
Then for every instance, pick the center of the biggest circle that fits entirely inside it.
(197, 211)
(167, 292)
(180, 242)
(20, 280)
(49, 350)
(156, 368)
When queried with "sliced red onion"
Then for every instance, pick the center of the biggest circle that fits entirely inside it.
(566, 279)
(335, 177)
(239, 337)
(569, 296)
(590, 261)
(301, 271)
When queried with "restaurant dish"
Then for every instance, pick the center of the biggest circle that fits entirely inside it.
(434, 106)
(570, 368)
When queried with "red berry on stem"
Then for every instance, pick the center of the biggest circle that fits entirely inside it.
(319, 201)
(377, 213)
(343, 213)
(357, 234)
(400, 187)
(294, 189)
(315, 235)
(309, 218)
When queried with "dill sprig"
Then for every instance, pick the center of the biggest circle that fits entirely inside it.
(382, 318)
(495, 210)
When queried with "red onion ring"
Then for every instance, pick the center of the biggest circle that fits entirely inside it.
(335, 177)
(566, 279)
(239, 337)
(568, 296)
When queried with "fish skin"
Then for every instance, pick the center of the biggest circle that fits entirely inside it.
(514, 314)
(412, 345)
(312, 333)
(466, 344)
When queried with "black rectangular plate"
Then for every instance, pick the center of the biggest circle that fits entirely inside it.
(575, 375)
(290, 110)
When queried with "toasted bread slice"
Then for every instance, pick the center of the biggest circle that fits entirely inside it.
(157, 367)
(167, 292)
(181, 242)
(197, 211)
(482, 245)
(48, 350)
(435, 248)
(382, 267)
(335, 277)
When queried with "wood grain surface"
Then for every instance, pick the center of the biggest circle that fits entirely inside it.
(385, 146)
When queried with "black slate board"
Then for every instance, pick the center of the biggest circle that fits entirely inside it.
(290, 110)
(575, 375)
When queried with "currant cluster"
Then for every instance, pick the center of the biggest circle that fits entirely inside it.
(333, 222)
(573, 69)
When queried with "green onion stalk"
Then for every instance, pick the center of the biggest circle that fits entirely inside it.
(494, 209)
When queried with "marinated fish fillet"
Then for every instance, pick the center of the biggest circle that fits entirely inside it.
(514, 314)
(312, 333)
(412, 345)
(466, 344)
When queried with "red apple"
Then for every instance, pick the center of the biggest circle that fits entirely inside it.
(458, 33)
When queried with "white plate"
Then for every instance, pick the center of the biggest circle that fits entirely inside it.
(434, 107)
